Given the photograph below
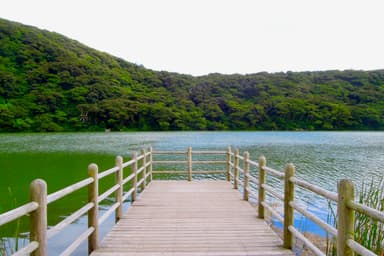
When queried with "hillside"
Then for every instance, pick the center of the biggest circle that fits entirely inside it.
(51, 83)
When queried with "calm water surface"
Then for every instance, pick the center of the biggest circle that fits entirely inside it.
(61, 159)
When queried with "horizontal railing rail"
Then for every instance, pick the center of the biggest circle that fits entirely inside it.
(189, 171)
(239, 169)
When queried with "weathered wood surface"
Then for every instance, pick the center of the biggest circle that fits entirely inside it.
(191, 218)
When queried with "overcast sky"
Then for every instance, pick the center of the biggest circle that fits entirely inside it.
(205, 36)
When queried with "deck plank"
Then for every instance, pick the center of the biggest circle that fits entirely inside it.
(188, 219)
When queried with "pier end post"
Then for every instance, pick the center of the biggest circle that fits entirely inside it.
(144, 163)
(345, 217)
(236, 171)
(151, 164)
(189, 157)
(38, 194)
(229, 163)
(134, 171)
(93, 194)
(246, 173)
(262, 179)
(119, 191)
(289, 195)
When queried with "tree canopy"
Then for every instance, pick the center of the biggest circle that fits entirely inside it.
(51, 83)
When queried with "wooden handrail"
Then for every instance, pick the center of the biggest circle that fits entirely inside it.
(306, 241)
(316, 189)
(37, 208)
(107, 172)
(28, 249)
(68, 220)
(346, 209)
(331, 230)
(18, 212)
(189, 162)
(373, 213)
(68, 190)
(273, 171)
(169, 152)
(272, 191)
(210, 152)
(170, 162)
(253, 163)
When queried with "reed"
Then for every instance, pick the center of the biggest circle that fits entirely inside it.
(9, 245)
(368, 232)
(331, 249)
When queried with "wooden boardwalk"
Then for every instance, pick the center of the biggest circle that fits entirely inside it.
(182, 218)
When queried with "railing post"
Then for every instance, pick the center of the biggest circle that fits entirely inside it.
(289, 195)
(150, 166)
(119, 191)
(229, 163)
(262, 179)
(93, 193)
(189, 155)
(246, 173)
(345, 217)
(38, 194)
(144, 162)
(236, 172)
(134, 171)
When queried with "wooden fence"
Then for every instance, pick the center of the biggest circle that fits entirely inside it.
(141, 173)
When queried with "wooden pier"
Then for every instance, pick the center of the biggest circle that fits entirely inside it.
(190, 219)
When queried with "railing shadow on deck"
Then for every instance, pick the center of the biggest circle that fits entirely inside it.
(141, 174)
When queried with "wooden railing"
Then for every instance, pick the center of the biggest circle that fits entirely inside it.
(141, 174)
(190, 162)
(344, 198)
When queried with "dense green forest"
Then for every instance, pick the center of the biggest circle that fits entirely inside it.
(51, 83)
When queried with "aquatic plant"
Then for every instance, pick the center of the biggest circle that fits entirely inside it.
(331, 240)
(368, 232)
(10, 245)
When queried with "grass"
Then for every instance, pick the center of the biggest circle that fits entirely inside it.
(10, 245)
(368, 232)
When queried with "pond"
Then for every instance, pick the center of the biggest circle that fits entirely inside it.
(62, 159)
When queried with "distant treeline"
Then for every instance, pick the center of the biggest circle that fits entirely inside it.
(51, 83)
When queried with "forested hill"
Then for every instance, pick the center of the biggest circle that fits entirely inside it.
(51, 83)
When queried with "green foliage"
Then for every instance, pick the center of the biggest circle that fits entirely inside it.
(51, 83)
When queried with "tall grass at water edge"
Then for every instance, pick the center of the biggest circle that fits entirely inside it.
(368, 232)
(10, 245)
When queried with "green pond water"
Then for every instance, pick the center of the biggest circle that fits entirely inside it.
(62, 159)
